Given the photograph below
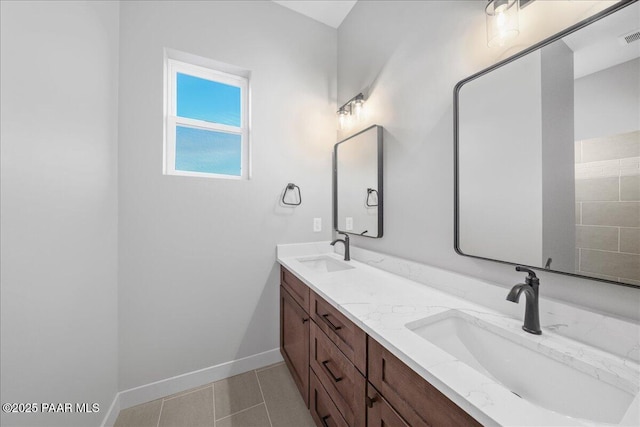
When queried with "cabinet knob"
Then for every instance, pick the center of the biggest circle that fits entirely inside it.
(305, 319)
(371, 400)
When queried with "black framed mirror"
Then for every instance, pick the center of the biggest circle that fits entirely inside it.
(357, 184)
(547, 147)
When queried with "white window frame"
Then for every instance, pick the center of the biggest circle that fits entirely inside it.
(172, 68)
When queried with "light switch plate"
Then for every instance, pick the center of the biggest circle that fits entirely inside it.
(317, 225)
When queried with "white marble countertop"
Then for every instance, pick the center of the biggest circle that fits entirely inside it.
(382, 303)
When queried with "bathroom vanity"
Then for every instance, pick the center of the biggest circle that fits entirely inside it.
(367, 347)
(345, 377)
(348, 377)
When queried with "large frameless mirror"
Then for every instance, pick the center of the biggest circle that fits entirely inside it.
(357, 178)
(548, 150)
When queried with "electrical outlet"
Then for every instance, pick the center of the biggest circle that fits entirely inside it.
(349, 223)
(317, 225)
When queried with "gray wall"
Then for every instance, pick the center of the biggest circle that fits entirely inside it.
(408, 69)
(558, 172)
(608, 102)
(608, 205)
(59, 68)
(357, 170)
(493, 190)
(198, 281)
(608, 178)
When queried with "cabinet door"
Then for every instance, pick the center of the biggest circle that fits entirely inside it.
(379, 413)
(294, 341)
(415, 399)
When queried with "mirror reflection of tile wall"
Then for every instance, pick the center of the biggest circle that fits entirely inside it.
(608, 207)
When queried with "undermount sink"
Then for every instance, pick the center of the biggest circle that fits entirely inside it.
(324, 263)
(500, 354)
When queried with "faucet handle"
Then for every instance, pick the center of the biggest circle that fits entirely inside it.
(531, 279)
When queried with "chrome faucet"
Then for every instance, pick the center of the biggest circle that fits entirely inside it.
(345, 241)
(530, 289)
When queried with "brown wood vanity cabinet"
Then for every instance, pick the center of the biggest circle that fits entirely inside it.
(323, 411)
(349, 338)
(339, 377)
(379, 412)
(346, 378)
(296, 288)
(294, 329)
(417, 401)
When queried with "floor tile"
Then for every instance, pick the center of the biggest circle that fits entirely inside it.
(188, 410)
(191, 390)
(269, 366)
(236, 394)
(253, 417)
(285, 405)
(145, 415)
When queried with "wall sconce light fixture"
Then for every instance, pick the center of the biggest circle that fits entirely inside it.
(502, 20)
(352, 107)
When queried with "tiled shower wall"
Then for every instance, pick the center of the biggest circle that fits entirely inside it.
(608, 207)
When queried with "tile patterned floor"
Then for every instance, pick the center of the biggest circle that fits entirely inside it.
(265, 397)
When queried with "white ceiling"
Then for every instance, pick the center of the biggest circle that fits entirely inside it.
(597, 47)
(330, 12)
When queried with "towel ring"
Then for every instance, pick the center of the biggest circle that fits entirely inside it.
(369, 192)
(291, 186)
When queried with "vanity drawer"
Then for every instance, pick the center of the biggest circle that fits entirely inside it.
(349, 338)
(298, 290)
(323, 410)
(380, 413)
(339, 376)
(417, 401)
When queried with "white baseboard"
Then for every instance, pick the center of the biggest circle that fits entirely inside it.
(148, 392)
(112, 414)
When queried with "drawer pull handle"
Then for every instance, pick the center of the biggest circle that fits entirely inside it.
(371, 401)
(305, 319)
(330, 323)
(324, 420)
(336, 379)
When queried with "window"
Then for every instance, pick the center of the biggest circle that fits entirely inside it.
(206, 119)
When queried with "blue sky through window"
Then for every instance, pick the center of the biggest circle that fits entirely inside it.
(200, 150)
(207, 100)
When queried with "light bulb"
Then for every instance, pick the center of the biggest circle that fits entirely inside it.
(501, 8)
(502, 21)
(357, 108)
(343, 115)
